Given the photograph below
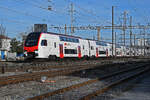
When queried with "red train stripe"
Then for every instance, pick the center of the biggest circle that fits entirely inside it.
(96, 52)
(79, 52)
(31, 49)
(107, 52)
(61, 51)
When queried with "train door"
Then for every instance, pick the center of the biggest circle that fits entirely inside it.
(89, 48)
(61, 50)
(79, 51)
(96, 52)
(107, 52)
(44, 51)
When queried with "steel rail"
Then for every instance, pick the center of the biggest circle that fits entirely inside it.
(38, 67)
(37, 75)
(46, 95)
(110, 86)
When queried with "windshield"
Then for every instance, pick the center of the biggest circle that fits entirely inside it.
(32, 39)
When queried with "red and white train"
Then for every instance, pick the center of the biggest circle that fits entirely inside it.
(52, 46)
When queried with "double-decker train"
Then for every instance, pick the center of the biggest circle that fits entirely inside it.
(53, 45)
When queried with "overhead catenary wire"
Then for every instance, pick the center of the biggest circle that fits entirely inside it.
(92, 20)
(85, 10)
(42, 7)
(16, 21)
(53, 11)
(24, 13)
(94, 15)
(89, 18)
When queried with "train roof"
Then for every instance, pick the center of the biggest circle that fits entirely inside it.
(69, 36)
(58, 34)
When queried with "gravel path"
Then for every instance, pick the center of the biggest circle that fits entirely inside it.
(25, 90)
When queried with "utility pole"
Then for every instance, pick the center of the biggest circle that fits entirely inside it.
(65, 29)
(49, 6)
(134, 44)
(124, 28)
(130, 34)
(98, 33)
(144, 41)
(141, 43)
(115, 43)
(72, 19)
(112, 30)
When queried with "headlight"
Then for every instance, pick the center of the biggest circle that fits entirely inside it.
(36, 51)
(25, 52)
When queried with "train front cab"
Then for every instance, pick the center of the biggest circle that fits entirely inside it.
(31, 44)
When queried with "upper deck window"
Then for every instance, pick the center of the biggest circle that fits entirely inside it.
(118, 46)
(68, 39)
(101, 43)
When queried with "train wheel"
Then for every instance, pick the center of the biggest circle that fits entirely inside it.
(85, 57)
(52, 57)
(93, 57)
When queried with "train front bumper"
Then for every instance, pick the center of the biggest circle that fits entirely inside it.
(31, 54)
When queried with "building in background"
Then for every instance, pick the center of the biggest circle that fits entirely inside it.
(143, 47)
(40, 27)
(142, 43)
(4, 46)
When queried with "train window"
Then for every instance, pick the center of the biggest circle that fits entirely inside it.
(102, 52)
(70, 51)
(71, 40)
(44, 43)
(118, 53)
(32, 39)
(101, 43)
(67, 39)
(77, 40)
(92, 48)
(83, 47)
(64, 39)
(105, 44)
(55, 44)
(61, 38)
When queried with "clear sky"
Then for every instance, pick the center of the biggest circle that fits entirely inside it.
(19, 15)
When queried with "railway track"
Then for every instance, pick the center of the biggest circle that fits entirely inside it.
(133, 72)
(5, 80)
(37, 66)
(111, 85)
(36, 76)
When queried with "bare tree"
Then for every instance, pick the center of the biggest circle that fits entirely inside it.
(2, 30)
